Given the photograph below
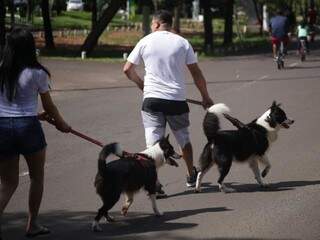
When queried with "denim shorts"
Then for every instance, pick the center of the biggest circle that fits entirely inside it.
(21, 135)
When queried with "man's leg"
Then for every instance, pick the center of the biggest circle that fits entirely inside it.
(154, 128)
(187, 155)
(179, 125)
(274, 50)
(182, 137)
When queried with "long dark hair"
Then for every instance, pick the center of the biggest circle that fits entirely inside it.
(19, 53)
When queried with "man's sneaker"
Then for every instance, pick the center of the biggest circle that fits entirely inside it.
(159, 191)
(191, 180)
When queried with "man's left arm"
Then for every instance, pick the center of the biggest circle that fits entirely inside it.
(201, 84)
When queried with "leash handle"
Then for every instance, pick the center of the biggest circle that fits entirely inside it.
(194, 101)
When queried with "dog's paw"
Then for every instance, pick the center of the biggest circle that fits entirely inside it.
(124, 210)
(264, 172)
(265, 185)
(95, 227)
(197, 190)
(227, 189)
(158, 214)
(110, 218)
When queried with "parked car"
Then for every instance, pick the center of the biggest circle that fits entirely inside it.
(74, 5)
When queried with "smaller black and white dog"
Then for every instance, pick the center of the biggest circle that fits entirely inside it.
(249, 143)
(128, 174)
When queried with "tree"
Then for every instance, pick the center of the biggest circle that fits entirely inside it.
(94, 16)
(106, 17)
(207, 22)
(258, 10)
(2, 24)
(29, 10)
(177, 15)
(11, 9)
(47, 24)
(146, 11)
(228, 22)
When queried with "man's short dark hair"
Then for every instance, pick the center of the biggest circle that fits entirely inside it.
(163, 16)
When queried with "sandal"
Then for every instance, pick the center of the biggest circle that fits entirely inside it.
(41, 231)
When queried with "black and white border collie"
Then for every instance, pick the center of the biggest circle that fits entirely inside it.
(249, 143)
(128, 174)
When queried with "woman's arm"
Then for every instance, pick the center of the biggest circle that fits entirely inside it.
(52, 113)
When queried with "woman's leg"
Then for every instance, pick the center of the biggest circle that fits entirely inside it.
(35, 163)
(9, 176)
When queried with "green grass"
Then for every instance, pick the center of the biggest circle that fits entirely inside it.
(75, 20)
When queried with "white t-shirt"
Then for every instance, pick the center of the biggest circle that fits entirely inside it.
(31, 82)
(165, 56)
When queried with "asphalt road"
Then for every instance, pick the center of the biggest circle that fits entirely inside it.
(97, 100)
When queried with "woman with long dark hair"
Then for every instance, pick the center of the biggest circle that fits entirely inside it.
(22, 79)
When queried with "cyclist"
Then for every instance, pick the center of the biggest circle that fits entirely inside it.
(279, 29)
(303, 31)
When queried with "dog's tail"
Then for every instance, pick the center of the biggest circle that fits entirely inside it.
(211, 122)
(112, 148)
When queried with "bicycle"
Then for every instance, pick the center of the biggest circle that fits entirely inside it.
(302, 50)
(280, 56)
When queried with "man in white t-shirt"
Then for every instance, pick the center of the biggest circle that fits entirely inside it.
(165, 56)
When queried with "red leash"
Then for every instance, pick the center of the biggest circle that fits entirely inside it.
(96, 142)
(79, 134)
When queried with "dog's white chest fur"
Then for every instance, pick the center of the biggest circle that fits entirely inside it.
(272, 132)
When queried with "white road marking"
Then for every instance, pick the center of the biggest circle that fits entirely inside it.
(23, 174)
(263, 77)
(293, 64)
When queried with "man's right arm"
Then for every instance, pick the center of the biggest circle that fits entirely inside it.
(129, 70)
(201, 84)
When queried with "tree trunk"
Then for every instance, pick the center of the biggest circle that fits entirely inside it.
(259, 16)
(2, 25)
(146, 19)
(94, 15)
(12, 10)
(177, 15)
(228, 22)
(29, 10)
(155, 4)
(106, 17)
(311, 3)
(59, 6)
(47, 24)
(207, 23)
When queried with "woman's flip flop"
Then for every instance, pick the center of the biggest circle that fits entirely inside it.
(41, 231)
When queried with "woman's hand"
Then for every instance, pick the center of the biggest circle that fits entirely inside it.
(62, 126)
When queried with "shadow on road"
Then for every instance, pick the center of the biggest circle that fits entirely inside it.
(302, 67)
(65, 224)
(274, 187)
(245, 188)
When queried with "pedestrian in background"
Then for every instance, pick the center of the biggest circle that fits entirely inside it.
(22, 79)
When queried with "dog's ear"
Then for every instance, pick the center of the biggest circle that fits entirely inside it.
(167, 137)
(275, 105)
